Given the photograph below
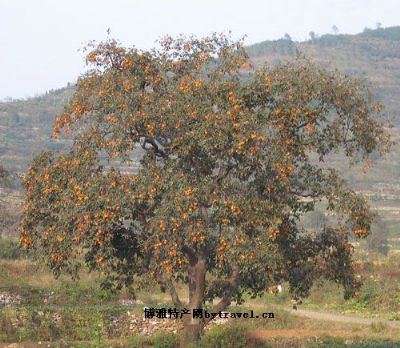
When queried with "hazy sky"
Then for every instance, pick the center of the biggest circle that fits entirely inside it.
(39, 39)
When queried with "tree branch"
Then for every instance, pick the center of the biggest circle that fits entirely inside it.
(222, 174)
(305, 195)
(159, 152)
(190, 253)
(174, 294)
(232, 285)
(200, 282)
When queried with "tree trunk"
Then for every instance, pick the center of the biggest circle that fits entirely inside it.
(190, 334)
(193, 327)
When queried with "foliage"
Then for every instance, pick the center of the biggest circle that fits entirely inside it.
(10, 249)
(224, 337)
(226, 175)
(8, 179)
(391, 33)
(165, 341)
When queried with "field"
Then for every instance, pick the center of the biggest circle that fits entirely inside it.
(38, 310)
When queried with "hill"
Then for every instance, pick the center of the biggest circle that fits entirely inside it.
(26, 127)
(374, 56)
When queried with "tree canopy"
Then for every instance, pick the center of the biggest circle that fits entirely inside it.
(231, 161)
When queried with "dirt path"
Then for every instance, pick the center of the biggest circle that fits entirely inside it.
(342, 318)
(262, 334)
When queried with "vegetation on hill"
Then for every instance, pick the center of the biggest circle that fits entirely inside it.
(374, 55)
(26, 127)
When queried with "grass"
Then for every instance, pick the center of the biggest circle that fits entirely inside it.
(9, 249)
(85, 315)
(380, 292)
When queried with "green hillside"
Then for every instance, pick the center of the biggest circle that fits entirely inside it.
(26, 127)
(373, 55)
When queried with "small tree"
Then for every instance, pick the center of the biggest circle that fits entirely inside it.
(223, 181)
(287, 37)
(312, 35)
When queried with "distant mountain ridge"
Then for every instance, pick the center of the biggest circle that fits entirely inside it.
(374, 55)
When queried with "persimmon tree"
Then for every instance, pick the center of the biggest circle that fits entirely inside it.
(232, 160)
